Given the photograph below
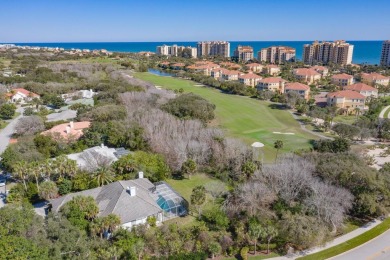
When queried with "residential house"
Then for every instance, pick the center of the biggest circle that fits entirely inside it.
(324, 71)
(254, 67)
(95, 157)
(346, 99)
(275, 84)
(21, 95)
(178, 66)
(249, 79)
(217, 72)
(79, 94)
(271, 69)
(342, 79)
(308, 76)
(230, 75)
(68, 131)
(363, 89)
(134, 201)
(205, 69)
(299, 88)
(231, 65)
(375, 79)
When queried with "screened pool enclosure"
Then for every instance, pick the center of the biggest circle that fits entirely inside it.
(169, 200)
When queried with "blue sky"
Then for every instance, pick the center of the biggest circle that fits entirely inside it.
(192, 20)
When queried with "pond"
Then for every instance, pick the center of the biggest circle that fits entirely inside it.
(160, 73)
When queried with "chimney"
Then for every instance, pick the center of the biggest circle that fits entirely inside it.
(140, 175)
(68, 130)
(132, 191)
(71, 124)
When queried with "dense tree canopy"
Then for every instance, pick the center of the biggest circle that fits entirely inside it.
(190, 106)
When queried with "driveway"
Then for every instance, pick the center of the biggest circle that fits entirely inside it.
(6, 133)
(378, 249)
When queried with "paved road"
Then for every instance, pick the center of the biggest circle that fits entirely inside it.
(6, 133)
(303, 127)
(376, 249)
(382, 113)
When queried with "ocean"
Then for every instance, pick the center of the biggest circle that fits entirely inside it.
(364, 51)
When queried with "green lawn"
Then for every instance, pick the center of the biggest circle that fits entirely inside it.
(258, 257)
(249, 119)
(350, 244)
(184, 187)
(345, 119)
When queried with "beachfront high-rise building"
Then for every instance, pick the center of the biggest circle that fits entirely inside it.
(385, 55)
(175, 50)
(338, 52)
(243, 53)
(213, 48)
(276, 54)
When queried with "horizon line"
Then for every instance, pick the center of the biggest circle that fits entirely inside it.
(24, 42)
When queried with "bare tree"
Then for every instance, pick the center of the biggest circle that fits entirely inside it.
(330, 203)
(29, 125)
(253, 197)
(289, 177)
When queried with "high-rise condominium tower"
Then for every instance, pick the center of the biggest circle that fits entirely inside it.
(338, 52)
(385, 55)
(243, 53)
(213, 48)
(276, 54)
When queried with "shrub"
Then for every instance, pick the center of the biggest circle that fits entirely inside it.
(244, 253)
(64, 187)
(190, 106)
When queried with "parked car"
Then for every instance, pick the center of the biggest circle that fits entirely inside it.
(2, 182)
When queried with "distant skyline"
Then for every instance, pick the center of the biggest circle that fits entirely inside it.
(171, 20)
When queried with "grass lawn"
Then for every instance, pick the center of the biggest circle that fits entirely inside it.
(258, 257)
(350, 244)
(184, 188)
(248, 119)
(344, 119)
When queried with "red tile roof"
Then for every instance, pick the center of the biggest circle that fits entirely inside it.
(342, 76)
(272, 66)
(346, 94)
(75, 131)
(319, 68)
(24, 92)
(360, 87)
(250, 76)
(374, 76)
(306, 72)
(250, 65)
(178, 65)
(272, 80)
(232, 72)
(297, 86)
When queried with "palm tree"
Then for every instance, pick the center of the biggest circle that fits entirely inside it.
(255, 232)
(65, 167)
(357, 112)
(47, 169)
(35, 171)
(104, 176)
(20, 170)
(278, 145)
(113, 222)
(269, 233)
